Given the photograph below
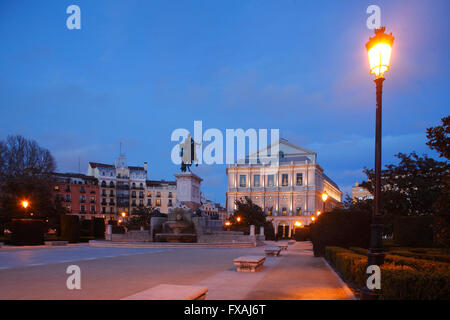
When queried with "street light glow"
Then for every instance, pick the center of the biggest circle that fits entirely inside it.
(123, 214)
(324, 196)
(25, 204)
(238, 219)
(379, 49)
(319, 213)
(313, 218)
(298, 224)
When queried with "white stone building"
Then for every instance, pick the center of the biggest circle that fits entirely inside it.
(124, 188)
(288, 192)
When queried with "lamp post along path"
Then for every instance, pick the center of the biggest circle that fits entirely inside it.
(379, 49)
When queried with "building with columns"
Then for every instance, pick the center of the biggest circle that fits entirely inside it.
(288, 191)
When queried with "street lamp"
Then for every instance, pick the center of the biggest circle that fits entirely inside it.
(25, 204)
(379, 49)
(238, 219)
(324, 199)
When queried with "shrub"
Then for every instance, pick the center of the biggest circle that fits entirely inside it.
(418, 264)
(350, 265)
(405, 283)
(414, 231)
(70, 228)
(343, 228)
(99, 228)
(86, 228)
(401, 278)
(302, 234)
(442, 257)
(27, 232)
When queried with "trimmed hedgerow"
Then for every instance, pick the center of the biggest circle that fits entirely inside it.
(401, 277)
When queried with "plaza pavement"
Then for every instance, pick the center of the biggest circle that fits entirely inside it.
(115, 273)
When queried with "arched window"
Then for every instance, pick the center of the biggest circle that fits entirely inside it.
(103, 184)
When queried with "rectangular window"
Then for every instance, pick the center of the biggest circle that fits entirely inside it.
(270, 180)
(242, 181)
(92, 209)
(299, 211)
(158, 202)
(284, 179)
(169, 203)
(284, 211)
(269, 212)
(82, 209)
(256, 181)
(299, 180)
(158, 194)
(149, 202)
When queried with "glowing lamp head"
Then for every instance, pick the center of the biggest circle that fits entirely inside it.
(379, 49)
(319, 213)
(298, 224)
(313, 219)
(238, 219)
(227, 223)
(123, 214)
(25, 204)
(324, 196)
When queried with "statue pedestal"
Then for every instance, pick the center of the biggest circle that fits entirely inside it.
(188, 187)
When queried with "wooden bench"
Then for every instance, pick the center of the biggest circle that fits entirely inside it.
(170, 292)
(272, 251)
(56, 243)
(282, 246)
(249, 263)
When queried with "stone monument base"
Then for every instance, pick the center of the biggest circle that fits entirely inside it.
(174, 237)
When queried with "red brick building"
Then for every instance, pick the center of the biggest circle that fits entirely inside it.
(79, 194)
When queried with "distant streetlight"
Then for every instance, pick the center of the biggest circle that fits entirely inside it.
(238, 219)
(297, 224)
(379, 49)
(25, 204)
(313, 219)
(324, 199)
(318, 213)
(123, 214)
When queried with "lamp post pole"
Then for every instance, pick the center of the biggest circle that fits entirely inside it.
(376, 255)
(379, 50)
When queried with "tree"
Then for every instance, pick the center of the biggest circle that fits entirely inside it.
(412, 187)
(438, 138)
(249, 212)
(25, 173)
(140, 217)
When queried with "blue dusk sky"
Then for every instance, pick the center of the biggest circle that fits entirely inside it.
(137, 70)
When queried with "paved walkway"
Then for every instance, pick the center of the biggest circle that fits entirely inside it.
(114, 273)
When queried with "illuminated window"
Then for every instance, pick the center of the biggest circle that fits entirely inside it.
(242, 181)
(284, 179)
(269, 212)
(256, 182)
(158, 202)
(284, 211)
(299, 180)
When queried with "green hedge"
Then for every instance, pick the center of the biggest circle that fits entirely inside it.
(414, 231)
(442, 257)
(27, 232)
(70, 228)
(341, 228)
(302, 234)
(401, 277)
(99, 228)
